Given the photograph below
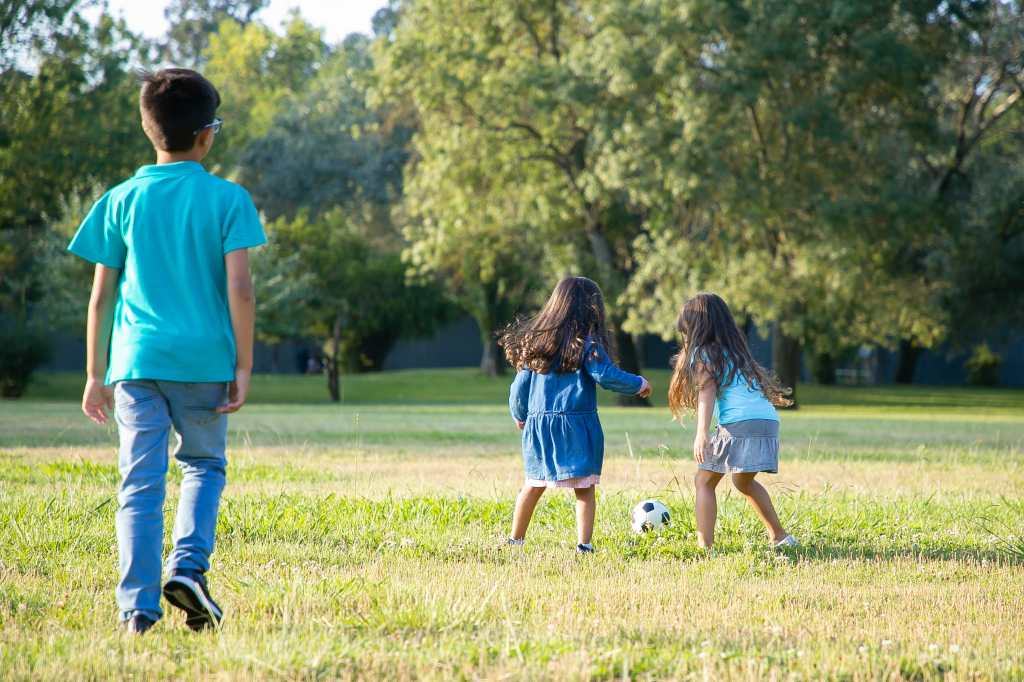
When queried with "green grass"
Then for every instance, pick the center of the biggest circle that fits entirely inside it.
(358, 541)
(467, 386)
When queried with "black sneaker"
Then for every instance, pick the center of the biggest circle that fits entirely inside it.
(138, 624)
(584, 549)
(188, 592)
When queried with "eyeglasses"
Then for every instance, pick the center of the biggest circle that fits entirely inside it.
(215, 125)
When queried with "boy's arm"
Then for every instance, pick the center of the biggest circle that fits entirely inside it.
(242, 305)
(98, 399)
(705, 408)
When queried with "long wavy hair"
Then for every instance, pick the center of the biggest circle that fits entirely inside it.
(553, 339)
(709, 334)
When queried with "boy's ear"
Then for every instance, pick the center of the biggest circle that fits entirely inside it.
(204, 140)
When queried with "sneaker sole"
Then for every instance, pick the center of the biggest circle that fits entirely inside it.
(200, 612)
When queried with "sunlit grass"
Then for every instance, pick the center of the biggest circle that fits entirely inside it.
(360, 541)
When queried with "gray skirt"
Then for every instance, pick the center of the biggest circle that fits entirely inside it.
(744, 447)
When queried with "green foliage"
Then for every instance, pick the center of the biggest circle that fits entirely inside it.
(326, 146)
(793, 156)
(357, 293)
(192, 22)
(781, 191)
(505, 156)
(24, 24)
(64, 129)
(22, 350)
(983, 366)
(256, 71)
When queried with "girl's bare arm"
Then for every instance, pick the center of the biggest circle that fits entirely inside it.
(705, 408)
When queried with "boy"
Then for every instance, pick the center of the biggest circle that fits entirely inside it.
(172, 310)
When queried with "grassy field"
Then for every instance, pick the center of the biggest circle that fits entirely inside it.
(359, 541)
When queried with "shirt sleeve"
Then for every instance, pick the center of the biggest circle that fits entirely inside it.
(519, 395)
(242, 227)
(99, 238)
(604, 372)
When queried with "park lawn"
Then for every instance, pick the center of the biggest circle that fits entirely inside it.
(358, 540)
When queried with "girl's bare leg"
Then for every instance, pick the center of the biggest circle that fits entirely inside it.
(526, 502)
(586, 506)
(706, 506)
(761, 501)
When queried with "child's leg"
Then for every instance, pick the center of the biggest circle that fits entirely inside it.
(586, 507)
(706, 506)
(143, 425)
(526, 502)
(762, 503)
(202, 440)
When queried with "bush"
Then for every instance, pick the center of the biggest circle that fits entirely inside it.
(983, 366)
(22, 350)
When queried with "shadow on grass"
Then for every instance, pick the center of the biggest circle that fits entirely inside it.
(833, 552)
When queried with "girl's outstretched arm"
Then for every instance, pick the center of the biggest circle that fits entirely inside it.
(609, 377)
(519, 395)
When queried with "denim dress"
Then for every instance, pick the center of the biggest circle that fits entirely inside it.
(562, 438)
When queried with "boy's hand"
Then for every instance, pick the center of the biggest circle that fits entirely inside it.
(700, 444)
(97, 400)
(520, 425)
(238, 391)
(645, 389)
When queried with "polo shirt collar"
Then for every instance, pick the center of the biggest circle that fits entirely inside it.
(176, 168)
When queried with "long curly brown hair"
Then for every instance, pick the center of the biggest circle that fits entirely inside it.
(553, 339)
(709, 333)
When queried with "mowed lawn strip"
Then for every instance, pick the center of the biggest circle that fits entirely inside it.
(361, 541)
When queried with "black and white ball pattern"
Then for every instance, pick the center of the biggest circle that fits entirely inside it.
(649, 515)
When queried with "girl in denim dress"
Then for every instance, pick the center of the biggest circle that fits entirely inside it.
(562, 355)
(715, 374)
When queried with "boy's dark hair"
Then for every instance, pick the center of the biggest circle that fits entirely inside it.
(175, 103)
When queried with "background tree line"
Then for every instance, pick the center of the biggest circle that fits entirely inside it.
(843, 172)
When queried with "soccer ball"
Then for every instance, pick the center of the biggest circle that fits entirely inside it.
(648, 515)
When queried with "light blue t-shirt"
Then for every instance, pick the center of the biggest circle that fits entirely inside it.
(739, 400)
(167, 229)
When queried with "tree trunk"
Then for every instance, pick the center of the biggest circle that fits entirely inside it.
(492, 362)
(823, 367)
(629, 355)
(786, 353)
(629, 360)
(334, 362)
(909, 354)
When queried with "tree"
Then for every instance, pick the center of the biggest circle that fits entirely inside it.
(777, 148)
(357, 298)
(509, 89)
(67, 127)
(194, 21)
(26, 25)
(257, 71)
(461, 229)
(327, 147)
(966, 158)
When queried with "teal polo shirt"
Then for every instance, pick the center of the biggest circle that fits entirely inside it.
(167, 229)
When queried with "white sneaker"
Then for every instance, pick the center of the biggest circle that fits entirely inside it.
(788, 541)
(513, 544)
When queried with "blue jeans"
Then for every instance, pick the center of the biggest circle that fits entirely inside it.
(145, 412)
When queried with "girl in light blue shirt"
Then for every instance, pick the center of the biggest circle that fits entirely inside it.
(715, 373)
